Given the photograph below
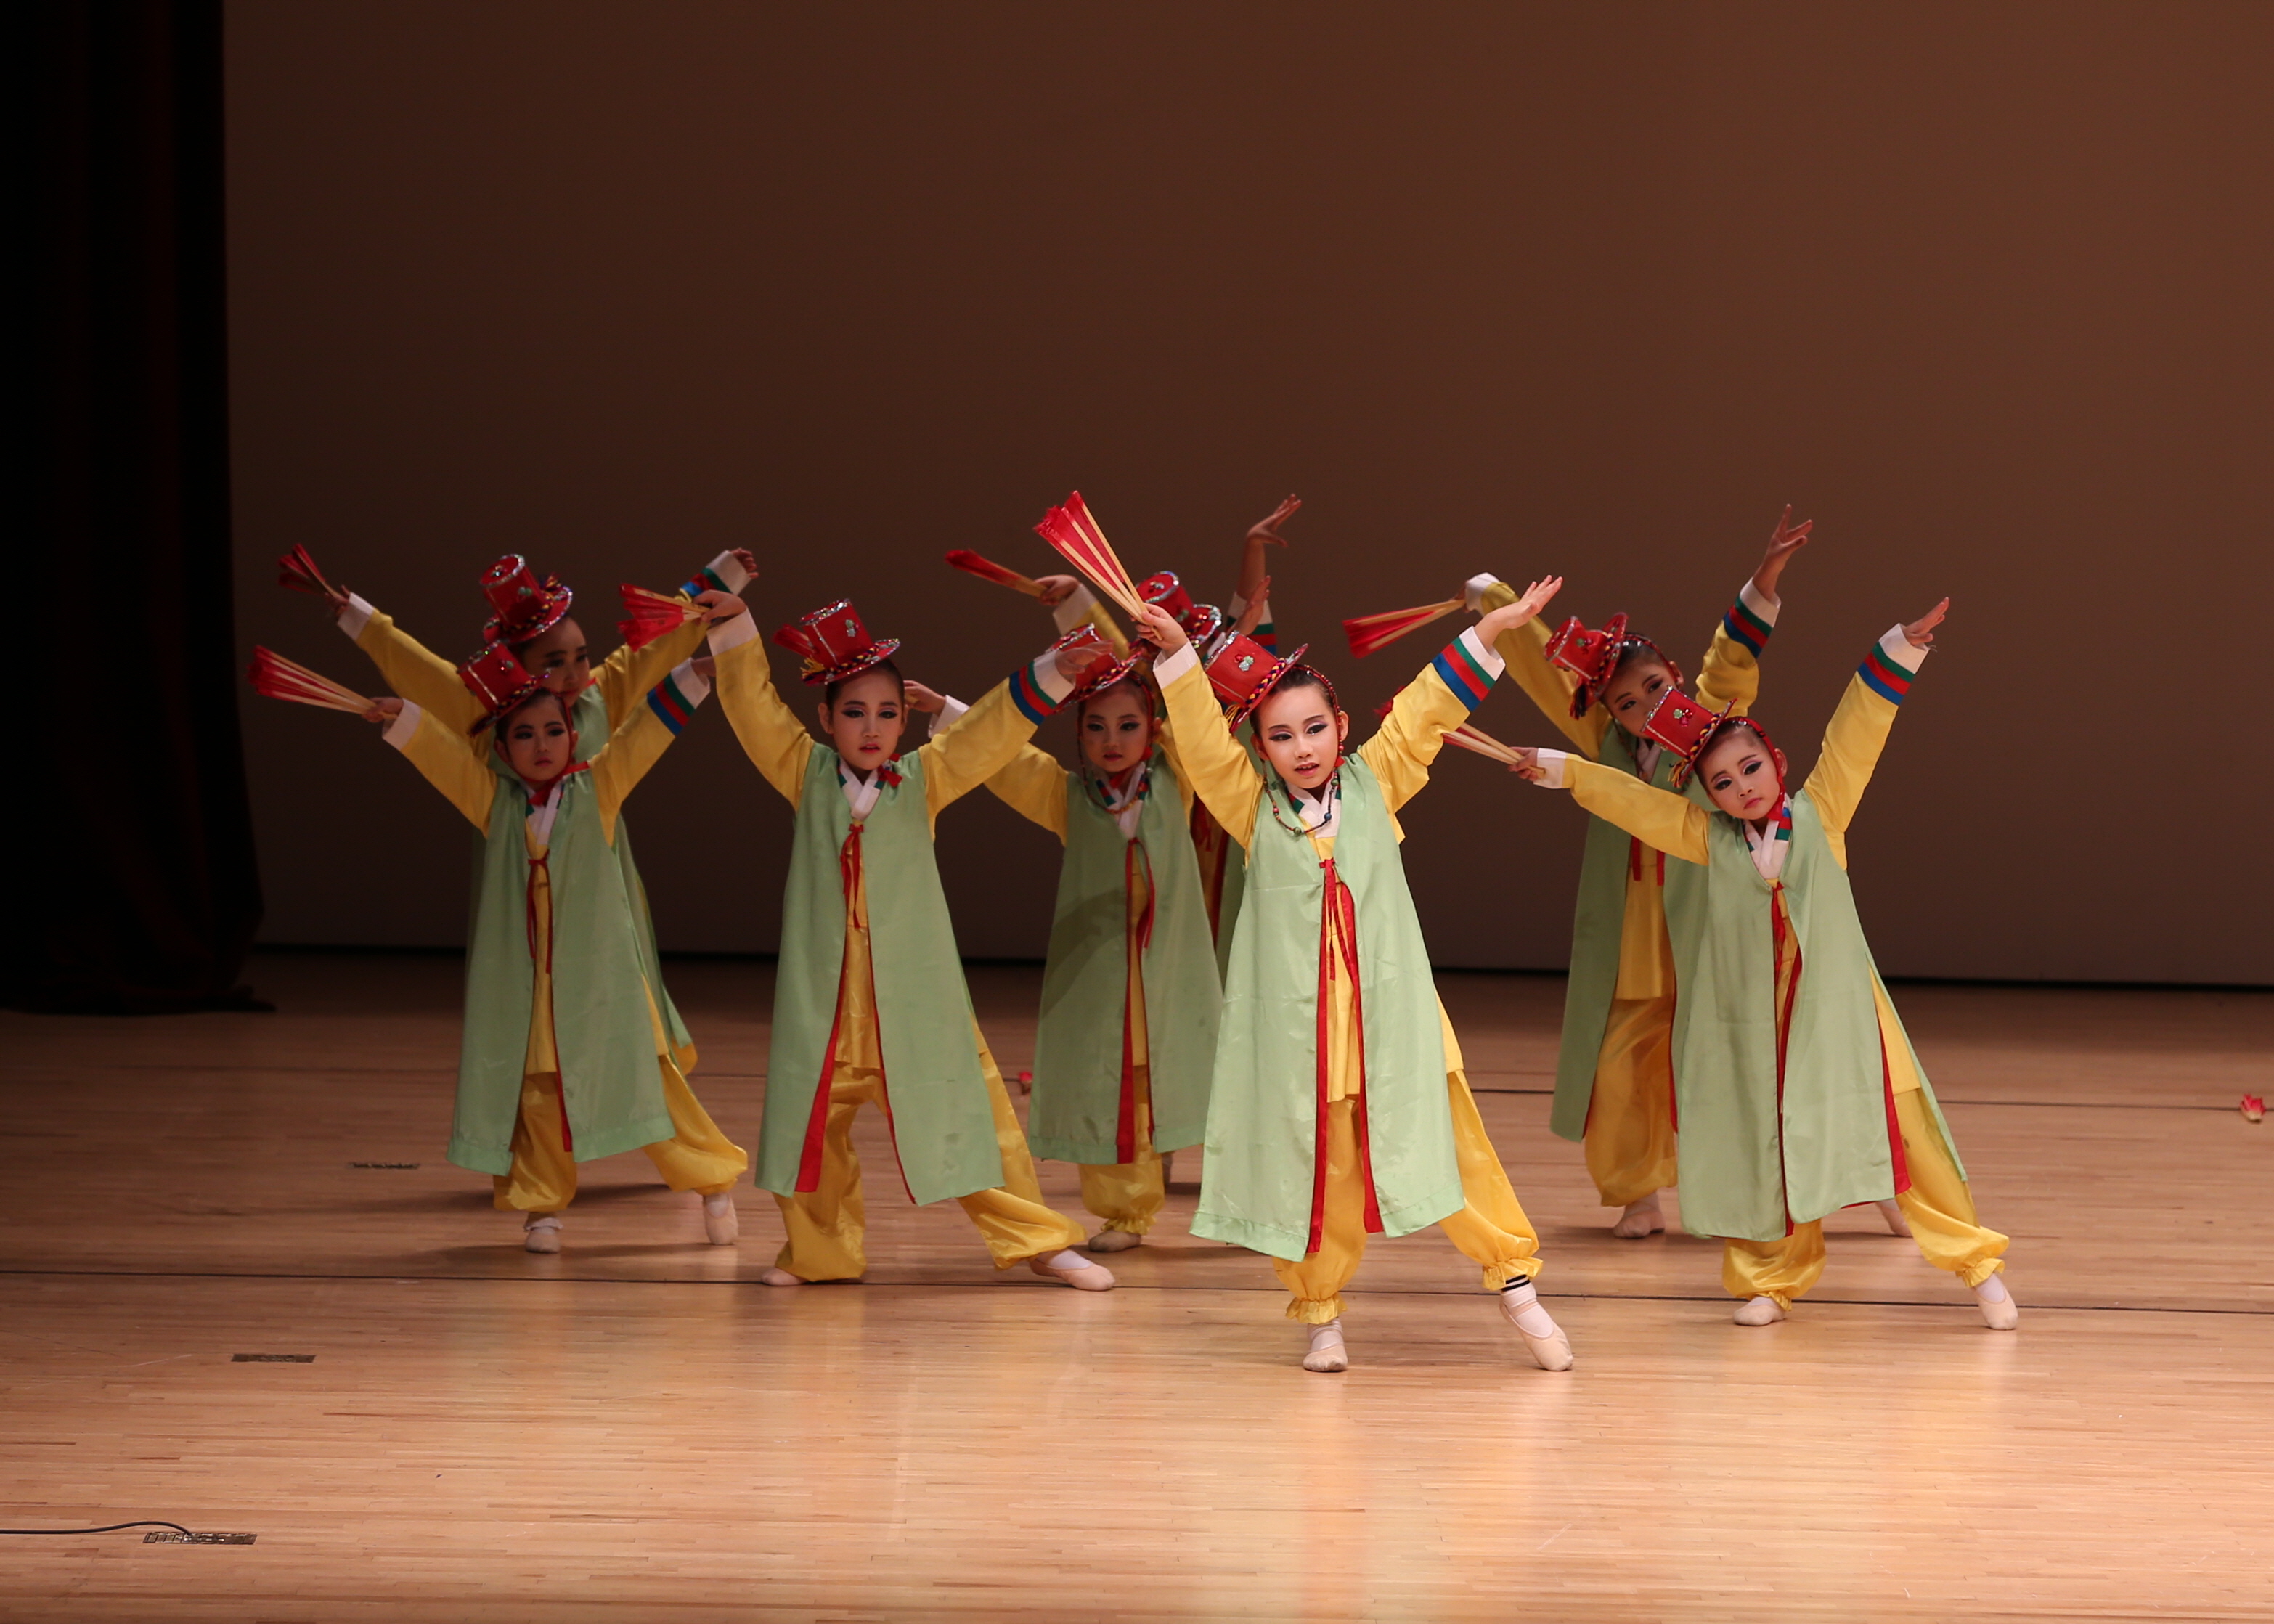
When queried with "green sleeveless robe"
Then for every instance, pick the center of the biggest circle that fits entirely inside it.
(1075, 1112)
(1262, 1125)
(1750, 1161)
(606, 1046)
(943, 1121)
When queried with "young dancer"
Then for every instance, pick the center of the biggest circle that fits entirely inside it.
(1800, 1093)
(530, 617)
(1613, 1087)
(869, 1001)
(1130, 994)
(1339, 1107)
(566, 1058)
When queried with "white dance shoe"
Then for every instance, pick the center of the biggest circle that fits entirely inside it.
(540, 1232)
(1551, 1350)
(1328, 1351)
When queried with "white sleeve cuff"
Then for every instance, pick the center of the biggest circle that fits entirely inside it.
(405, 727)
(1899, 652)
(729, 569)
(1473, 590)
(947, 716)
(1054, 684)
(733, 633)
(693, 687)
(1168, 667)
(1073, 609)
(355, 617)
(1552, 775)
(1234, 607)
(1486, 657)
(1759, 602)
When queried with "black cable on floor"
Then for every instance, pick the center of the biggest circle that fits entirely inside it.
(110, 1527)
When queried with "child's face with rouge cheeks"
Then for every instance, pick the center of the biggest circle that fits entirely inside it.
(866, 720)
(1117, 729)
(1301, 735)
(1634, 690)
(560, 657)
(1741, 775)
(536, 741)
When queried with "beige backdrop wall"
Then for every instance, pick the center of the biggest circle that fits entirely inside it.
(1589, 289)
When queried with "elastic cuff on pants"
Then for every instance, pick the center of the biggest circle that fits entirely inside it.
(716, 1189)
(1975, 1274)
(1498, 1275)
(1131, 1226)
(1315, 1310)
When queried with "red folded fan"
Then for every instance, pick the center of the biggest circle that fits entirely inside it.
(279, 678)
(987, 569)
(650, 615)
(1483, 744)
(1370, 632)
(1073, 532)
(297, 570)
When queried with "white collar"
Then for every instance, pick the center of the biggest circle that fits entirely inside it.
(860, 792)
(1319, 813)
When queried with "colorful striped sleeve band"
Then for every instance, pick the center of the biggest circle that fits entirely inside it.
(1887, 670)
(673, 699)
(723, 573)
(1027, 693)
(1468, 668)
(1751, 619)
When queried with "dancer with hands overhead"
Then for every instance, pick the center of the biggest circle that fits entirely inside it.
(1339, 1107)
(1799, 1091)
(869, 1002)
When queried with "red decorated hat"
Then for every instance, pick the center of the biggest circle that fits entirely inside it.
(1686, 726)
(1105, 667)
(1243, 673)
(521, 605)
(1200, 621)
(834, 643)
(1206, 626)
(500, 683)
(1590, 656)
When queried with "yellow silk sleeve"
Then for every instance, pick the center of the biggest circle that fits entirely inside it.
(980, 744)
(452, 764)
(772, 737)
(418, 674)
(1219, 769)
(1731, 676)
(636, 745)
(1672, 824)
(1853, 740)
(1411, 736)
(1525, 648)
(1033, 786)
(625, 677)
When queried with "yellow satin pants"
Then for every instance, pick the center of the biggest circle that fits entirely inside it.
(1629, 1139)
(1939, 1205)
(828, 1227)
(1128, 1195)
(696, 1156)
(1490, 1230)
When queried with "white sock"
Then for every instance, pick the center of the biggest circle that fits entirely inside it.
(1531, 1318)
(1992, 1289)
(1327, 1335)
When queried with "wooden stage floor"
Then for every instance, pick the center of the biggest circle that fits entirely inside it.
(635, 1430)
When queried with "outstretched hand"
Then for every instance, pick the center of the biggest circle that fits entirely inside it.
(1536, 597)
(1526, 764)
(1161, 629)
(1920, 633)
(747, 558)
(722, 605)
(927, 700)
(383, 711)
(1787, 539)
(1055, 589)
(1267, 529)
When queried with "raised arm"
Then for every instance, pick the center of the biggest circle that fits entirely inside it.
(450, 761)
(1206, 756)
(1859, 727)
(1730, 677)
(985, 737)
(640, 740)
(1032, 783)
(422, 677)
(1425, 709)
(1524, 651)
(627, 676)
(1673, 823)
(772, 737)
(1250, 606)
